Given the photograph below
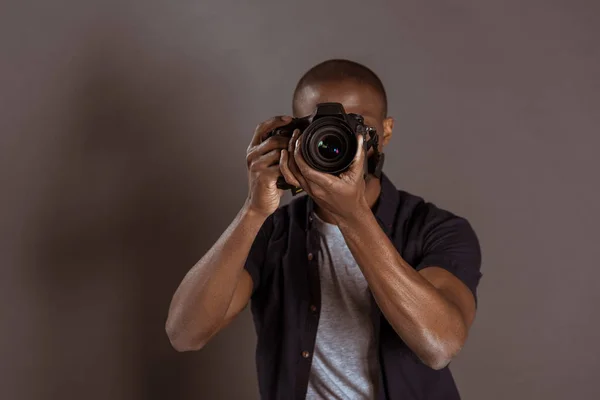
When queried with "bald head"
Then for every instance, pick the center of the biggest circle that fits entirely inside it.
(340, 74)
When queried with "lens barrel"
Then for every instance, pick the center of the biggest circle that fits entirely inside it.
(329, 145)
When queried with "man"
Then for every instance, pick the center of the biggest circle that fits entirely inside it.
(359, 290)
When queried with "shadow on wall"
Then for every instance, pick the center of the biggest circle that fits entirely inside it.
(121, 224)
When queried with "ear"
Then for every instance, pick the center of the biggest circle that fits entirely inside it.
(388, 127)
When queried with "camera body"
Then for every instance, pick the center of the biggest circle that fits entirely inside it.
(329, 139)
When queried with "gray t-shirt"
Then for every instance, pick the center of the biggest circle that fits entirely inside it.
(344, 364)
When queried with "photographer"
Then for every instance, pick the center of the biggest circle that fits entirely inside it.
(358, 290)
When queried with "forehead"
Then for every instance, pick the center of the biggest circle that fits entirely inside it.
(355, 97)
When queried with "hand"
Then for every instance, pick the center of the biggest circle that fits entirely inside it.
(342, 196)
(262, 160)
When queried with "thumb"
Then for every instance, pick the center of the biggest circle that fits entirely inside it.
(358, 163)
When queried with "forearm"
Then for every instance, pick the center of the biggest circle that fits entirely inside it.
(201, 301)
(426, 321)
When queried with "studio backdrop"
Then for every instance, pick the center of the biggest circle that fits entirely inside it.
(123, 131)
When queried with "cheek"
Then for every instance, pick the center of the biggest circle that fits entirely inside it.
(381, 140)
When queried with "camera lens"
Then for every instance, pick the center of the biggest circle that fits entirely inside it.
(330, 147)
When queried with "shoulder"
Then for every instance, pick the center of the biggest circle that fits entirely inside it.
(422, 212)
(426, 220)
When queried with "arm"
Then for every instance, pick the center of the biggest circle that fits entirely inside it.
(431, 310)
(216, 289)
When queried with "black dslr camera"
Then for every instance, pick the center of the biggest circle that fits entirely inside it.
(329, 143)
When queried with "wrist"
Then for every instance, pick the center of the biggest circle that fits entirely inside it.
(250, 213)
(356, 215)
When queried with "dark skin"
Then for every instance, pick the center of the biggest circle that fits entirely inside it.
(431, 310)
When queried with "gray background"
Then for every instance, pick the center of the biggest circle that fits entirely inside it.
(123, 128)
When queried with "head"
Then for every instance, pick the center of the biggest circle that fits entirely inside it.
(353, 85)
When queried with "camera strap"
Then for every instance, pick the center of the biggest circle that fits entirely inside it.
(375, 162)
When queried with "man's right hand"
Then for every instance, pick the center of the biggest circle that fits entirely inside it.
(262, 160)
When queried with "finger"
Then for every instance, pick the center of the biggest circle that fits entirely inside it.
(268, 160)
(270, 175)
(292, 160)
(272, 143)
(358, 162)
(306, 171)
(267, 126)
(292, 141)
(285, 169)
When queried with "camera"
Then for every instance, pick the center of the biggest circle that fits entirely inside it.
(329, 139)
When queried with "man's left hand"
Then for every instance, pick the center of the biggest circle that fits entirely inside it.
(342, 196)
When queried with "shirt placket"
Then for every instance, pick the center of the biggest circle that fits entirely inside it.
(309, 334)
